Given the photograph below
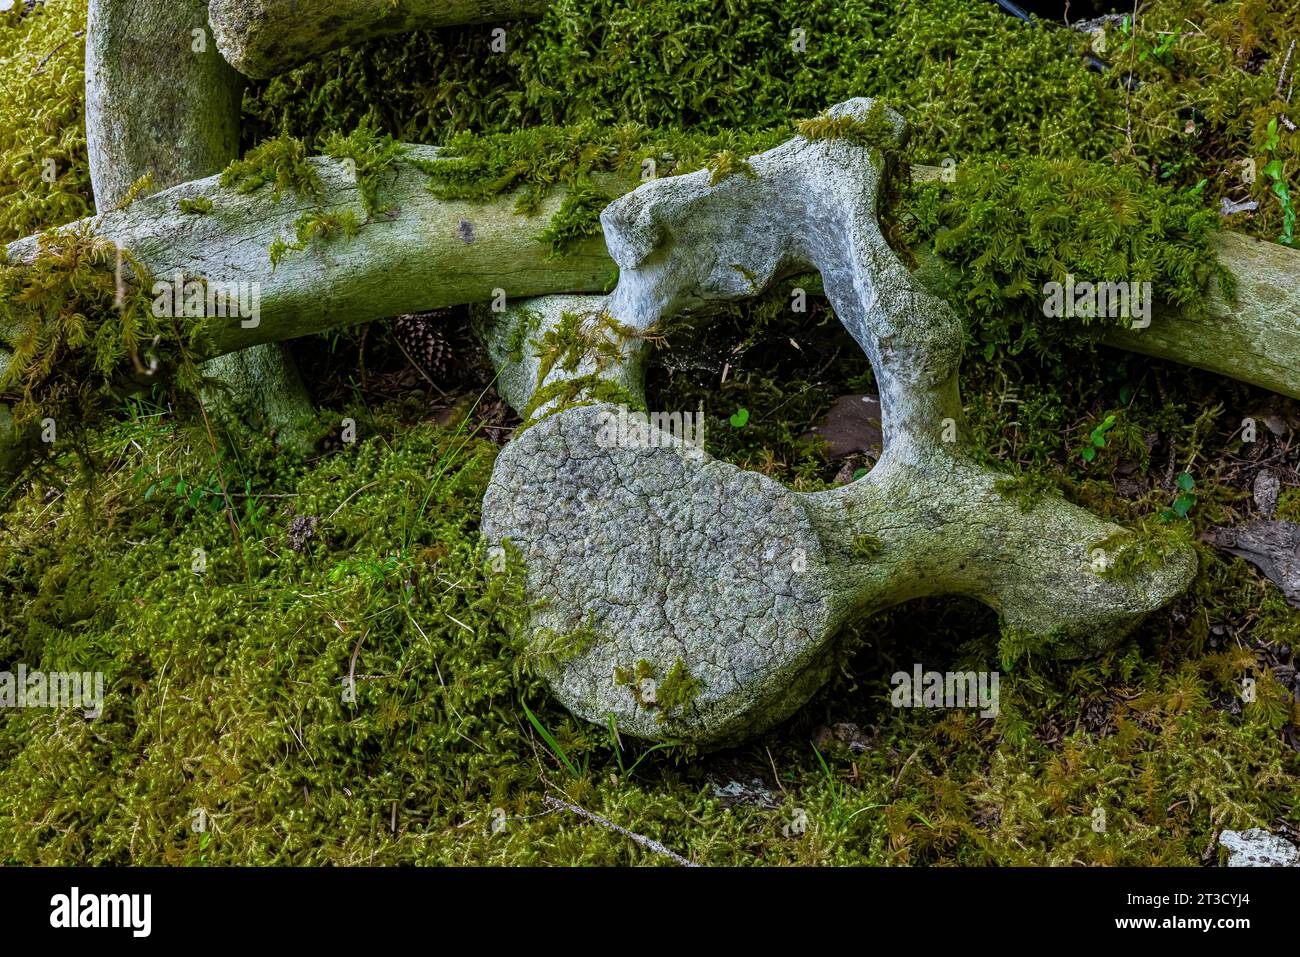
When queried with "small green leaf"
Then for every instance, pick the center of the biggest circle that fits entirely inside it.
(550, 741)
(1089, 453)
(1186, 482)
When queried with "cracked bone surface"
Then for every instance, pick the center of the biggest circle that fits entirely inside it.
(651, 553)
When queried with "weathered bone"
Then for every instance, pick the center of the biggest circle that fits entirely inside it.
(160, 100)
(159, 97)
(261, 38)
(425, 253)
(428, 253)
(658, 554)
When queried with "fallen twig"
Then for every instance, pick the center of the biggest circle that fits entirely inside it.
(40, 67)
(641, 839)
(1286, 64)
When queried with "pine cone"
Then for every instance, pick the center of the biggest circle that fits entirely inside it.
(302, 529)
(420, 335)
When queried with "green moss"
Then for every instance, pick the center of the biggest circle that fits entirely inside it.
(577, 337)
(431, 722)
(195, 207)
(565, 344)
(529, 321)
(1129, 553)
(1010, 228)
(1026, 489)
(632, 678)
(548, 649)
(578, 218)
(141, 187)
(677, 690)
(727, 68)
(728, 163)
(571, 393)
(314, 225)
(536, 160)
(71, 337)
(371, 154)
(873, 130)
(1016, 645)
(281, 163)
(972, 82)
(596, 336)
(867, 546)
(436, 735)
(1288, 505)
(44, 174)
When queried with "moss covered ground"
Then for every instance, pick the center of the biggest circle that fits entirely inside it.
(317, 660)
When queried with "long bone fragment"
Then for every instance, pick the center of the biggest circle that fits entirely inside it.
(424, 254)
(702, 599)
(161, 101)
(262, 38)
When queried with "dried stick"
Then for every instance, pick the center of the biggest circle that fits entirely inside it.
(605, 822)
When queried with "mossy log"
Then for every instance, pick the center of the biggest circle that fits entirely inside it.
(262, 38)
